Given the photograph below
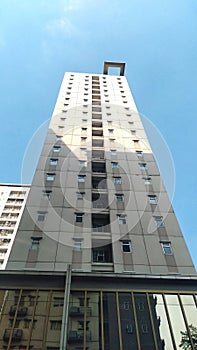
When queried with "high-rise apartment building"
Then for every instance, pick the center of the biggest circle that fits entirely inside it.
(12, 202)
(99, 261)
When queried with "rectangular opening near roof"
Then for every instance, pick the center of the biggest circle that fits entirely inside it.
(113, 65)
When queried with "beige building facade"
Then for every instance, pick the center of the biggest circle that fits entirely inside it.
(99, 260)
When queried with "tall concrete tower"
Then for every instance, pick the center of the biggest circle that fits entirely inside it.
(99, 260)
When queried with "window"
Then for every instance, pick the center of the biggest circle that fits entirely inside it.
(41, 215)
(147, 180)
(144, 328)
(122, 219)
(159, 221)
(83, 129)
(50, 177)
(81, 178)
(58, 137)
(110, 131)
(140, 306)
(80, 195)
(167, 249)
(152, 199)
(143, 166)
(119, 197)
(126, 246)
(84, 120)
(35, 244)
(82, 163)
(55, 325)
(112, 141)
(79, 217)
(61, 127)
(117, 180)
(83, 139)
(139, 154)
(126, 305)
(113, 152)
(47, 193)
(56, 149)
(62, 118)
(77, 246)
(98, 256)
(129, 328)
(115, 165)
(83, 150)
(58, 301)
(53, 161)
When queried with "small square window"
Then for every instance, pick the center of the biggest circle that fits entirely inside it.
(77, 246)
(147, 180)
(50, 177)
(60, 127)
(83, 139)
(79, 217)
(143, 166)
(83, 151)
(117, 180)
(152, 199)
(83, 129)
(119, 197)
(35, 244)
(58, 137)
(82, 163)
(115, 165)
(144, 328)
(159, 221)
(56, 149)
(81, 178)
(122, 219)
(41, 216)
(167, 249)
(126, 246)
(110, 131)
(113, 152)
(47, 193)
(139, 154)
(84, 120)
(62, 118)
(53, 161)
(80, 195)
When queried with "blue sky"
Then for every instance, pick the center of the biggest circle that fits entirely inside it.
(41, 39)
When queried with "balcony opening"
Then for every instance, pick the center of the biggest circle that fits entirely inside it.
(96, 116)
(99, 182)
(98, 167)
(102, 253)
(100, 200)
(97, 124)
(101, 222)
(98, 154)
(97, 132)
(97, 143)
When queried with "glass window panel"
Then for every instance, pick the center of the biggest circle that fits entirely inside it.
(93, 332)
(144, 321)
(111, 335)
(190, 309)
(176, 317)
(127, 320)
(163, 328)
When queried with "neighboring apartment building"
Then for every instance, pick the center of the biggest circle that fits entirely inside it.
(99, 261)
(12, 202)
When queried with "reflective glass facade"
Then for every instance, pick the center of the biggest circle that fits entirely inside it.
(97, 320)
